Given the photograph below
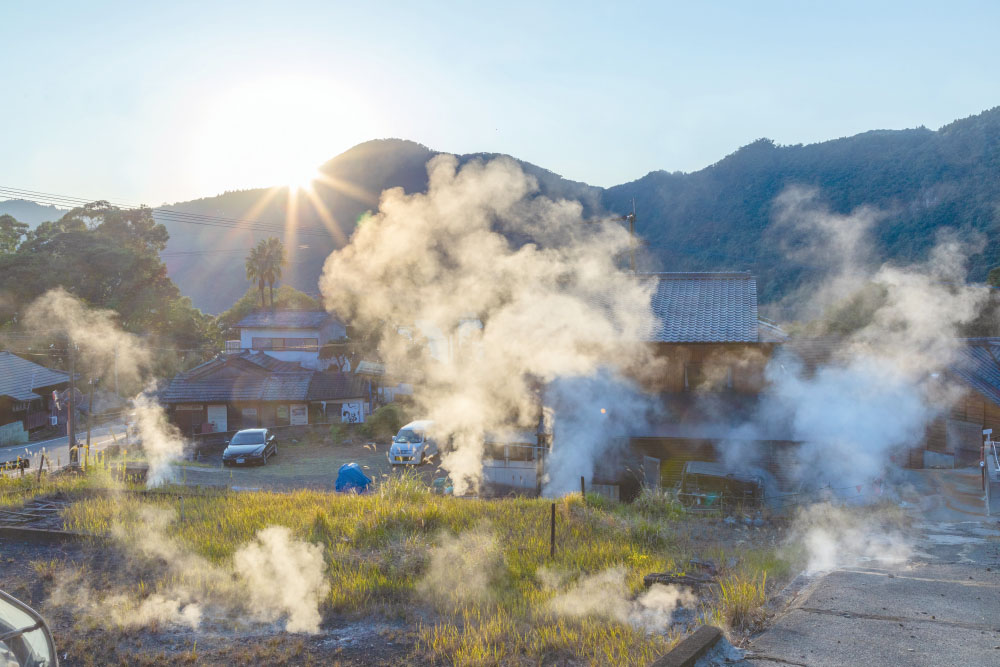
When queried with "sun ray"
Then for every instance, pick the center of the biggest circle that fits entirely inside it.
(327, 217)
(348, 189)
(291, 220)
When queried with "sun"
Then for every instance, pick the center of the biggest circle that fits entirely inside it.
(276, 131)
(302, 181)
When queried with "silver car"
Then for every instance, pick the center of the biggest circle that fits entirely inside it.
(412, 446)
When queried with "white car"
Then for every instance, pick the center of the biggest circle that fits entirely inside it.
(411, 446)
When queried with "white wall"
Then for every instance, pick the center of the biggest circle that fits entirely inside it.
(308, 358)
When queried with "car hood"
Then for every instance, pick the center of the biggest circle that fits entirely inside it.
(406, 446)
(242, 450)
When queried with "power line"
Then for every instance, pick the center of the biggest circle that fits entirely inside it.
(171, 215)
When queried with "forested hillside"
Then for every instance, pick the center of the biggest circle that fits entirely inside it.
(923, 180)
(716, 218)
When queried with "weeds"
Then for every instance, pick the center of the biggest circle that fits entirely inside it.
(378, 546)
(741, 602)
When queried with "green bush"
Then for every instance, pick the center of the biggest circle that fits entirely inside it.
(385, 422)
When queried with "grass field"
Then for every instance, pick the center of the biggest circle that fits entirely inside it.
(471, 578)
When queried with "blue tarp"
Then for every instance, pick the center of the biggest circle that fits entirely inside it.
(350, 479)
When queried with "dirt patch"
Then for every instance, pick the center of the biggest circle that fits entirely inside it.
(29, 572)
(306, 464)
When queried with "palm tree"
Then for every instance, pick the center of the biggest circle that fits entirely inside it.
(274, 258)
(255, 269)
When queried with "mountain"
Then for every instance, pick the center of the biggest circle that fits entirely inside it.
(201, 259)
(29, 212)
(718, 218)
(923, 180)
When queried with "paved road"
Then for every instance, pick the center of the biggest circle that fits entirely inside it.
(57, 449)
(940, 607)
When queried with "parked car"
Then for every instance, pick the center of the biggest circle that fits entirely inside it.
(251, 446)
(25, 639)
(411, 446)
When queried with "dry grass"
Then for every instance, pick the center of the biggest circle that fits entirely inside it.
(377, 549)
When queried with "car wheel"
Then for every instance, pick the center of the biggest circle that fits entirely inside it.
(420, 461)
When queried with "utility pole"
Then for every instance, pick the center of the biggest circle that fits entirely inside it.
(71, 418)
(90, 416)
(630, 218)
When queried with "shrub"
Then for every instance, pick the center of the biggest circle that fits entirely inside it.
(384, 422)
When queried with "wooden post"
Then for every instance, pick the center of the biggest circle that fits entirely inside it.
(583, 491)
(552, 534)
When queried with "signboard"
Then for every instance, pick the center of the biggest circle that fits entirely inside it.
(352, 413)
(283, 413)
(298, 414)
(194, 407)
(249, 417)
(217, 416)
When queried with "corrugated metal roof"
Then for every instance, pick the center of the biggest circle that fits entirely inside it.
(286, 319)
(704, 308)
(19, 376)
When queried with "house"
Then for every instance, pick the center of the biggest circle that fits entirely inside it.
(712, 349)
(253, 388)
(708, 333)
(26, 395)
(292, 335)
(955, 438)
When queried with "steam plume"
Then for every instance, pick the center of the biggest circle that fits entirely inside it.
(552, 302)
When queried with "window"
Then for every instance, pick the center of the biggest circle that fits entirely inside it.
(707, 377)
(296, 344)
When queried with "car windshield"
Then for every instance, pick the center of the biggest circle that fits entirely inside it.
(407, 435)
(248, 438)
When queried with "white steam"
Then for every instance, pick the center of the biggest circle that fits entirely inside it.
(275, 577)
(606, 595)
(103, 350)
(161, 440)
(880, 388)
(838, 537)
(460, 569)
(590, 413)
(479, 247)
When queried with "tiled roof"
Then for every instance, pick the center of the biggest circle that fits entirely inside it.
(264, 361)
(704, 308)
(978, 365)
(285, 319)
(299, 384)
(330, 385)
(19, 376)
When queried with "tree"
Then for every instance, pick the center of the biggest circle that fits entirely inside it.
(274, 253)
(255, 269)
(11, 232)
(993, 279)
(108, 258)
(264, 265)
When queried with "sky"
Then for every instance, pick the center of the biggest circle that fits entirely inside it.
(161, 102)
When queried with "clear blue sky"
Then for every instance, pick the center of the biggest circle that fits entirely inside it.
(156, 102)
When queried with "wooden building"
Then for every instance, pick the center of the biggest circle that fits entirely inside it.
(251, 389)
(26, 393)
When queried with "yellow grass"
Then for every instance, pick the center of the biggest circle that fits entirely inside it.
(377, 549)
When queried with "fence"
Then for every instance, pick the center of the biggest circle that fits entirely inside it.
(13, 434)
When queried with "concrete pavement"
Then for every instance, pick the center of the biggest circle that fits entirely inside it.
(939, 607)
